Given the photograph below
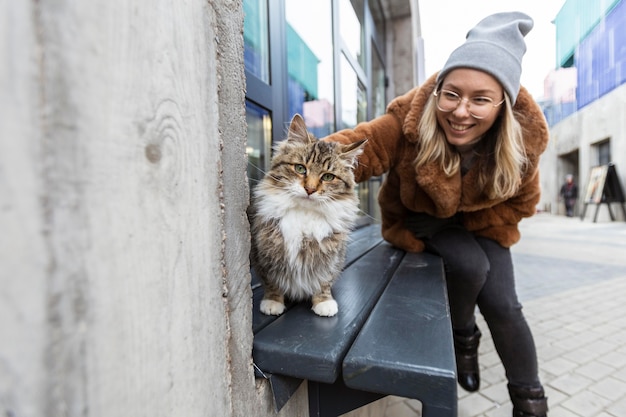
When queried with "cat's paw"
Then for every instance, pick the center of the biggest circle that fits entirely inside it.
(272, 308)
(326, 308)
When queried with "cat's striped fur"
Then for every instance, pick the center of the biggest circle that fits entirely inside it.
(302, 213)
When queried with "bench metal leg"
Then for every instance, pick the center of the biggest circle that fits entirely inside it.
(332, 400)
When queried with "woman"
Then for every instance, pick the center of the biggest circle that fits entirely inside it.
(461, 154)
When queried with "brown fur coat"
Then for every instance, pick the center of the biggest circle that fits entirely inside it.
(391, 149)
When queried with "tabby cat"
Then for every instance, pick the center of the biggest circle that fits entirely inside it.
(301, 215)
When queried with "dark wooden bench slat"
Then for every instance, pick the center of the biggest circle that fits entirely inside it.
(362, 241)
(405, 348)
(286, 347)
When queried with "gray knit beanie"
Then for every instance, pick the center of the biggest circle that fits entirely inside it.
(496, 46)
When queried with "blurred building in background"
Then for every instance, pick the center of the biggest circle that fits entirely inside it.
(585, 98)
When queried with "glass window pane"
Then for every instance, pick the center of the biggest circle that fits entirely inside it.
(379, 19)
(379, 103)
(604, 152)
(351, 16)
(255, 36)
(363, 192)
(259, 144)
(379, 100)
(310, 63)
(353, 97)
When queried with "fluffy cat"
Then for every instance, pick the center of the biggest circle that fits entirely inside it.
(301, 215)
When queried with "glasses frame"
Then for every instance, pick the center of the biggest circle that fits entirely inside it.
(460, 100)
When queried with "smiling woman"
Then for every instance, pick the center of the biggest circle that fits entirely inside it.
(461, 155)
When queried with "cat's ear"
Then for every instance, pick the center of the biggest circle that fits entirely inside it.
(352, 151)
(297, 130)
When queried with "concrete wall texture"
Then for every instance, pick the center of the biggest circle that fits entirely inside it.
(124, 245)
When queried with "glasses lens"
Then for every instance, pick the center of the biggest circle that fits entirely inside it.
(480, 107)
(447, 100)
(480, 112)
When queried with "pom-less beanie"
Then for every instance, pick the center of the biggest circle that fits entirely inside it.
(496, 46)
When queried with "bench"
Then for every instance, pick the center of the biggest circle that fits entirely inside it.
(392, 335)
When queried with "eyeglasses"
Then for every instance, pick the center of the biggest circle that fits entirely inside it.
(479, 107)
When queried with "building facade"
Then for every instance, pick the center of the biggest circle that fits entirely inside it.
(586, 106)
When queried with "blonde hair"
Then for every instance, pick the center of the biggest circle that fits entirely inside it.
(502, 154)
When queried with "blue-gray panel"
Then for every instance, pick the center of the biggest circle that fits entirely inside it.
(405, 347)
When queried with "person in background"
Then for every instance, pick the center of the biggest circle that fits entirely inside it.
(461, 154)
(569, 194)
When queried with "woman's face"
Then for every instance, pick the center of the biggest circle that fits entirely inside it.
(460, 127)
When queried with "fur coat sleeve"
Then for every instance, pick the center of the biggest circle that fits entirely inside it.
(391, 149)
(384, 135)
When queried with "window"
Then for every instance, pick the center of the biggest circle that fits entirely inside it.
(310, 64)
(322, 59)
(353, 97)
(265, 95)
(351, 17)
(603, 150)
(258, 148)
(379, 84)
(255, 36)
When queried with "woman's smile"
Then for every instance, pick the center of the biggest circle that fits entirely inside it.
(459, 127)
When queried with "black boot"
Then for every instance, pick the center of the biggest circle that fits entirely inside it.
(466, 352)
(528, 401)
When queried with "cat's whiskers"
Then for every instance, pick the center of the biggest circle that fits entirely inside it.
(283, 188)
(364, 214)
(327, 201)
(257, 168)
(255, 180)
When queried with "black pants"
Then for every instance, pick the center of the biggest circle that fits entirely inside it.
(479, 272)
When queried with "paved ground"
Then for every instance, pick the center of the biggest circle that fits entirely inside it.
(572, 281)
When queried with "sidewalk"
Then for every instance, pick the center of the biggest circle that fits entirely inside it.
(571, 278)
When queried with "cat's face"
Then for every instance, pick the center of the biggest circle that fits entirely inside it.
(313, 170)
